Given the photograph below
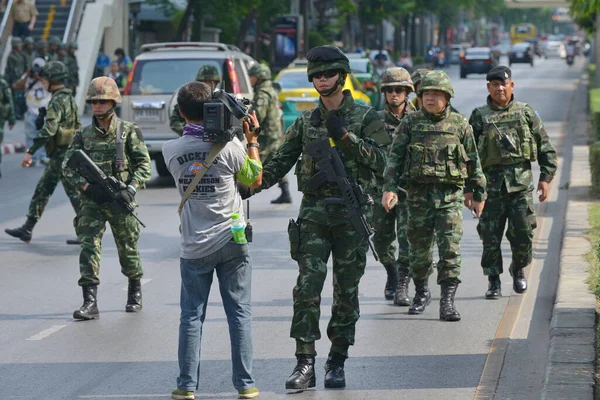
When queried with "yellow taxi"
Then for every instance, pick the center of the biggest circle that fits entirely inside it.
(298, 94)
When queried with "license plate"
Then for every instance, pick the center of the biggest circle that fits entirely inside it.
(305, 106)
(519, 55)
(147, 115)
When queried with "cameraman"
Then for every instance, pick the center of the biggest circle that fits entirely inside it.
(36, 96)
(207, 244)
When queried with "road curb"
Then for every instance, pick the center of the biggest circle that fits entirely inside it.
(10, 148)
(570, 367)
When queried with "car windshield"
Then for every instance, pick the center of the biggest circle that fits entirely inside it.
(478, 53)
(293, 80)
(149, 77)
(359, 65)
(554, 38)
(520, 47)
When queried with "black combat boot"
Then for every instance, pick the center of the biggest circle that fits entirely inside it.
(447, 310)
(73, 241)
(134, 296)
(89, 309)
(422, 298)
(494, 291)
(334, 371)
(401, 296)
(303, 375)
(392, 281)
(24, 232)
(285, 197)
(519, 281)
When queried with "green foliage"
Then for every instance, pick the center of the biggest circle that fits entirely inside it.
(591, 69)
(594, 158)
(316, 39)
(594, 94)
(593, 257)
(584, 13)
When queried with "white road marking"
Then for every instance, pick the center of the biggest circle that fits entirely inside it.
(144, 281)
(46, 332)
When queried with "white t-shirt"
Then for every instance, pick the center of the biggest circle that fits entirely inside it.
(206, 216)
(37, 96)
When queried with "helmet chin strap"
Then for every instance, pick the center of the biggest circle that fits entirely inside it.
(106, 114)
(339, 84)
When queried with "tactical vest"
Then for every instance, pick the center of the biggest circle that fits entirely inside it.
(435, 153)
(102, 149)
(64, 135)
(271, 126)
(512, 122)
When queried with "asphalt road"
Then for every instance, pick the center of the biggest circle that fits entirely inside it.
(45, 354)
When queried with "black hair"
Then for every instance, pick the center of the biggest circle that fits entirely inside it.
(191, 98)
(120, 52)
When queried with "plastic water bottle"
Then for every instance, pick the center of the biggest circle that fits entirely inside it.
(238, 229)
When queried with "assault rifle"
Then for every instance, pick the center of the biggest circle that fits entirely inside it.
(111, 186)
(353, 196)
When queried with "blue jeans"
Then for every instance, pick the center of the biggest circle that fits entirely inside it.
(30, 132)
(234, 271)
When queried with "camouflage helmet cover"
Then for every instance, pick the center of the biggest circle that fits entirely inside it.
(103, 88)
(72, 45)
(54, 40)
(42, 44)
(436, 80)
(16, 41)
(396, 76)
(55, 71)
(29, 40)
(418, 75)
(260, 71)
(208, 73)
(326, 58)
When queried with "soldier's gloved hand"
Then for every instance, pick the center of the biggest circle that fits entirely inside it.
(96, 194)
(127, 194)
(336, 125)
(39, 121)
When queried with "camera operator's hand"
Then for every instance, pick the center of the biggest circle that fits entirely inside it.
(251, 128)
(336, 125)
(39, 121)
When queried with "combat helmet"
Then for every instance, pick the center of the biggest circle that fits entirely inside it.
(55, 40)
(418, 75)
(436, 80)
(103, 88)
(29, 40)
(396, 76)
(208, 73)
(326, 58)
(41, 44)
(72, 45)
(55, 71)
(16, 41)
(260, 71)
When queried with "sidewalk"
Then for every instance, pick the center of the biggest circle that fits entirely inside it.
(570, 368)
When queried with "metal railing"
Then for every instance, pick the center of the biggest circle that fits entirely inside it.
(75, 17)
(5, 35)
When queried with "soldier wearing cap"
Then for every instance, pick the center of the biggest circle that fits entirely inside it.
(510, 136)
(396, 85)
(208, 74)
(55, 134)
(117, 147)
(360, 138)
(266, 105)
(434, 157)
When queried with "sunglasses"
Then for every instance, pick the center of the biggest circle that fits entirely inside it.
(326, 74)
(99, 101)
(393, 89)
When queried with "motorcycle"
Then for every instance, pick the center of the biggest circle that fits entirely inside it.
(570, 59)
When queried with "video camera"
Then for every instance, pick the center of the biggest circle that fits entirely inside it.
(223, 116)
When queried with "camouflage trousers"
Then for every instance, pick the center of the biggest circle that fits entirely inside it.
(517, 209)
(90, 225)
(389, 227)
(47, 184)
(436, 220)
(349, 251)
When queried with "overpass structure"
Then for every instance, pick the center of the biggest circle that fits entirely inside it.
(536, 3)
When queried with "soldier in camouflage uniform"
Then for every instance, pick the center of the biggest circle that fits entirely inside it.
(42, 50)
(7, 112)
(100, 141)
(266, 105)
(28, 51)
(207, 74)
(416, 77)
(360, 137)
(434, 152)
(510, 135)
(62, 120)
(54, 43)
(396, 85)
(72, 66)
(15, 68)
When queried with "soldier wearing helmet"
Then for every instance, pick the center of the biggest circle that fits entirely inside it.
(360, 138)
(54, 43)
(72, 66)
(396, 85)
(15, 68)
(266, 105)
(7, 111)
(28, 50)
(208, 74)
(54, 133)
(117, 147)
(434, 157)
(510, 136)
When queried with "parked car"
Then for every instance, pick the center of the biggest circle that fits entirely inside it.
(477, 60)
(364, 71)
(553, 46)
(298, 94)
(160, 69)
(521, 53)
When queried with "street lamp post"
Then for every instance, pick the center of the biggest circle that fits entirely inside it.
(135, 6)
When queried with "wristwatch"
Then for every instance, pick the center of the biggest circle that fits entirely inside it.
(253, 145)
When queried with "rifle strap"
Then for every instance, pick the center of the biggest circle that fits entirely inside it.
(120, 159)
(212, 156)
